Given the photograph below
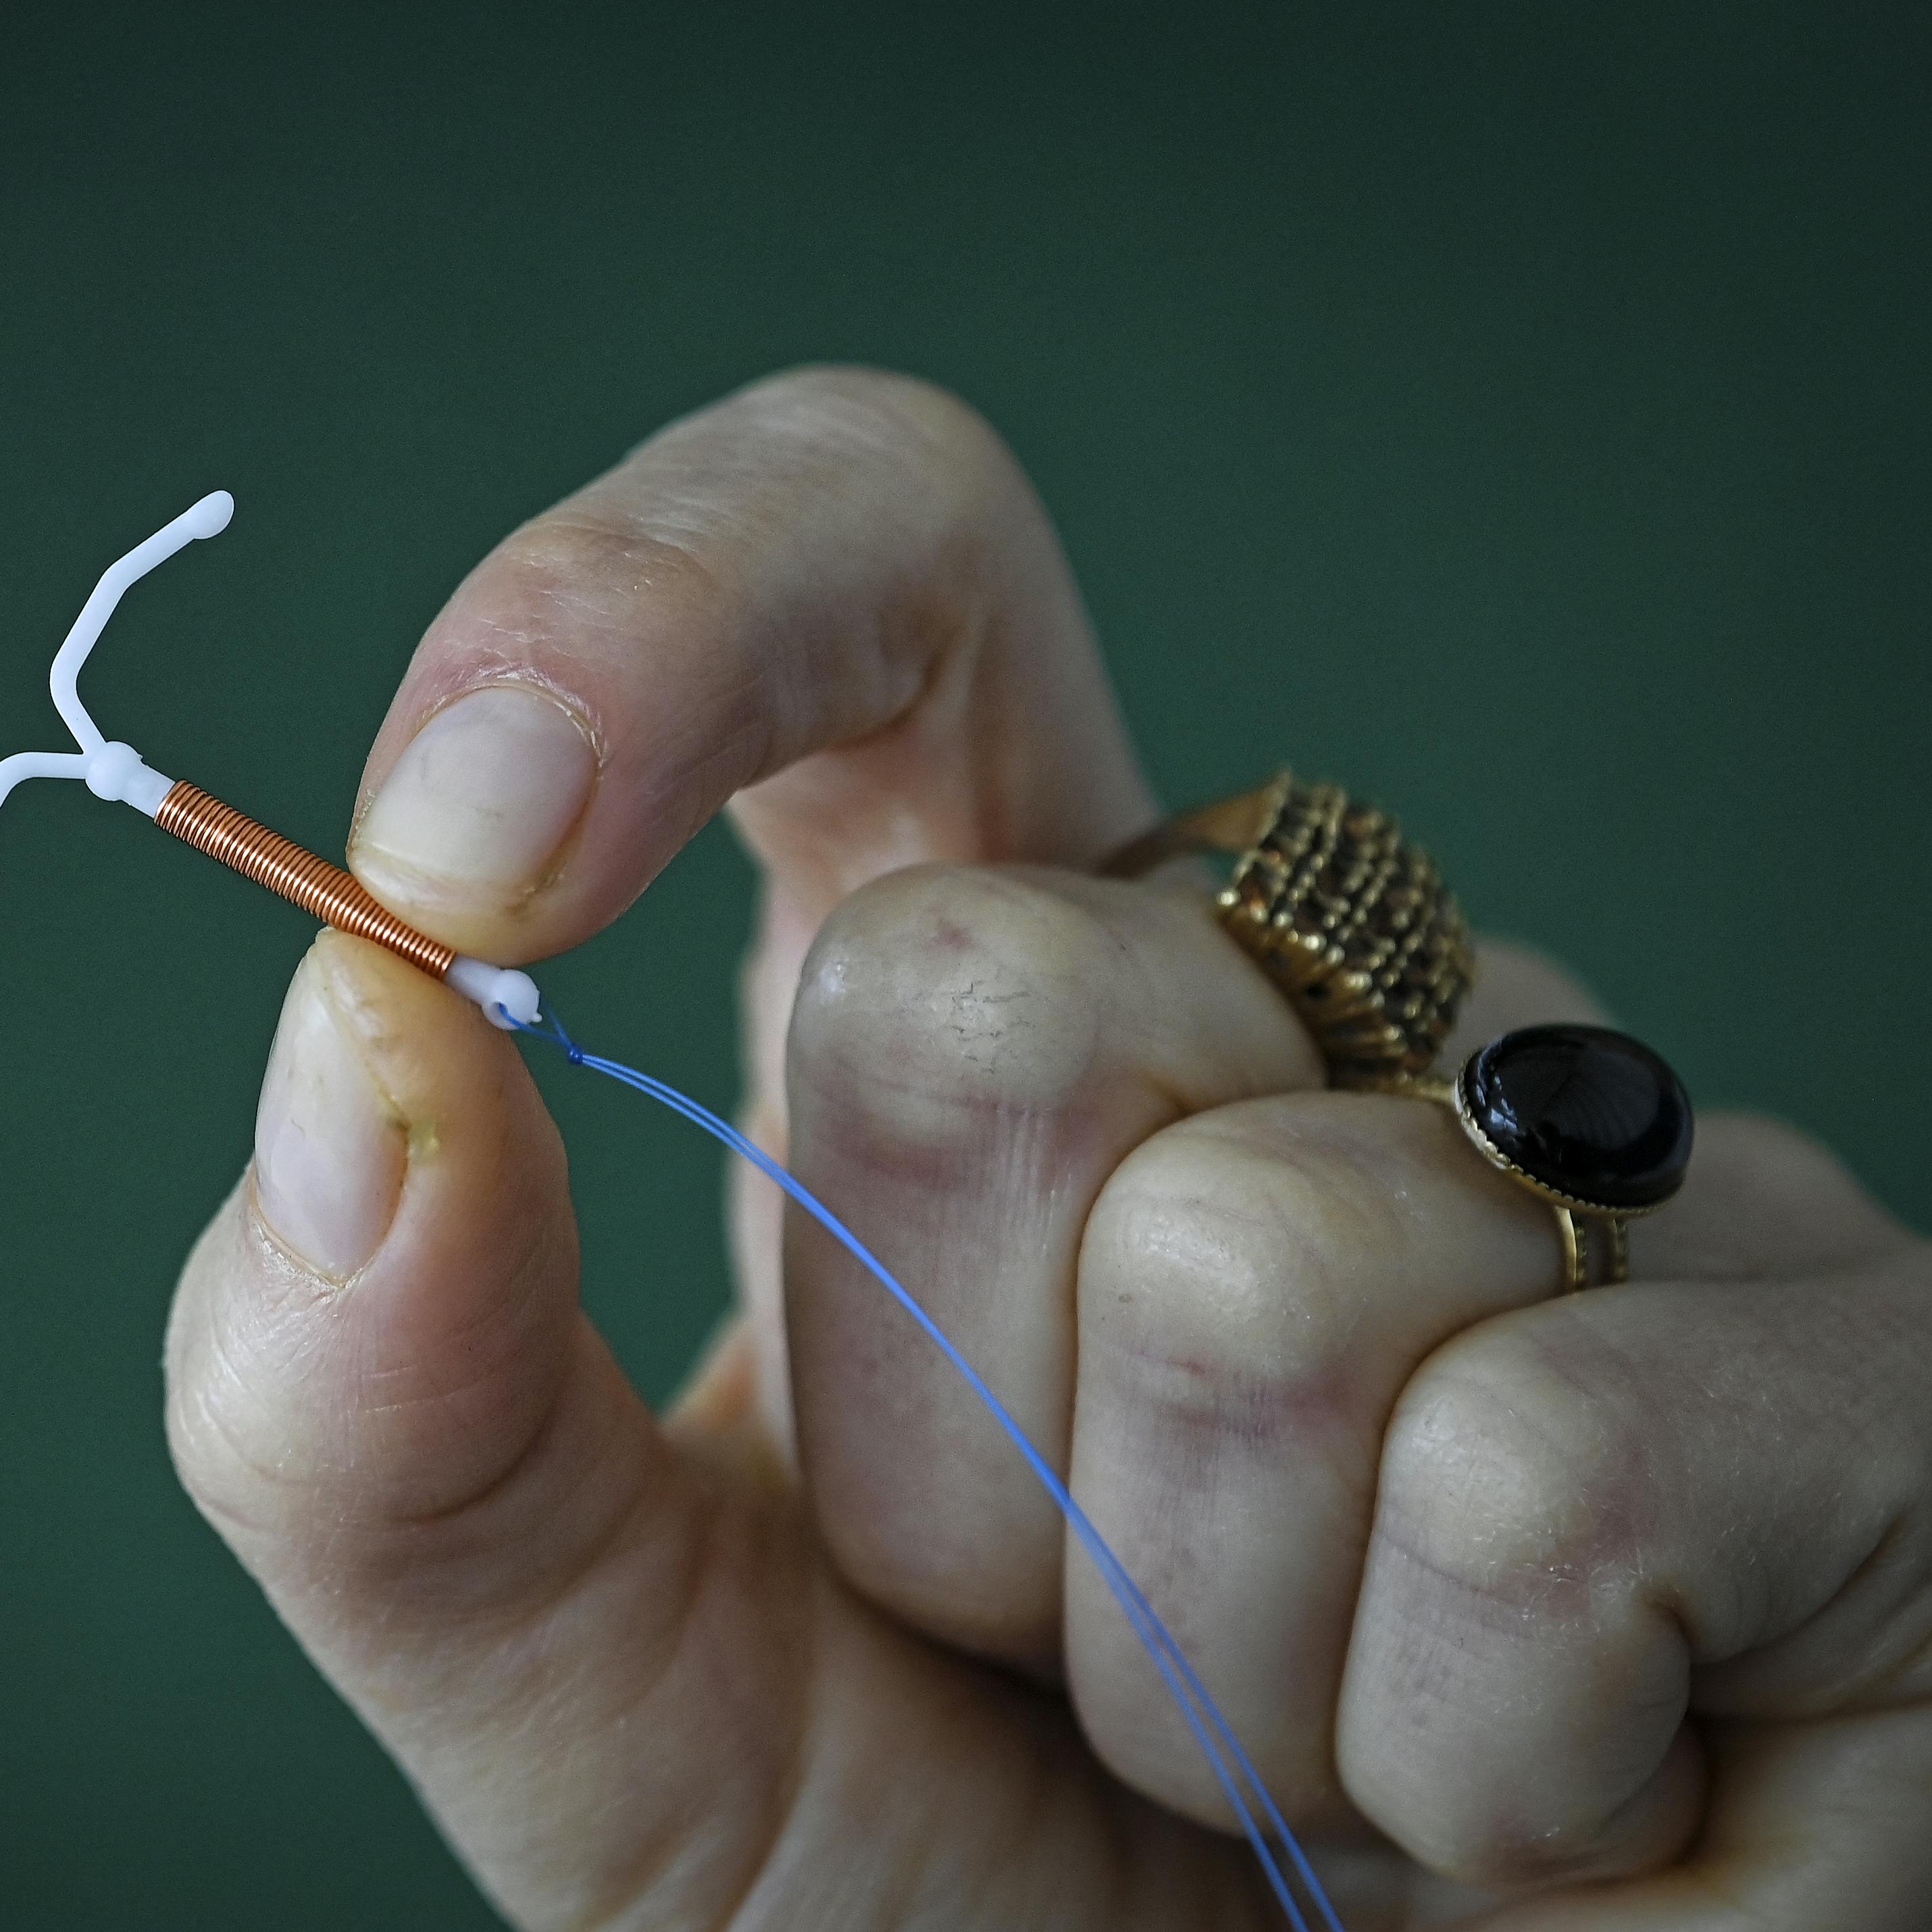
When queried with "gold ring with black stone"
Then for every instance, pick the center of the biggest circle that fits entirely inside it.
(1354, 925)
(1589, 1119)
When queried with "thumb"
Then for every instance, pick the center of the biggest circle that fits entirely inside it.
(382, 1393)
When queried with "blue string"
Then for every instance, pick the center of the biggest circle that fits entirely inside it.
(1190, 1695)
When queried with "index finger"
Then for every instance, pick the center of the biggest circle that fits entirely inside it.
(835, 575)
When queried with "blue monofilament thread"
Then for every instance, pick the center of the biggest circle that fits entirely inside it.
(1190, 1695)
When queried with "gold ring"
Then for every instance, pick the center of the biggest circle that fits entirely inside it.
(1354, 926)
(1591, 1121)
(1348, 919)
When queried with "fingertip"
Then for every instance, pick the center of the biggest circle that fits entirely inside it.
(426, 1046)
(470, 833)
(483, 1210)
(448, 1091)
(332, 1142)
(390, 1308)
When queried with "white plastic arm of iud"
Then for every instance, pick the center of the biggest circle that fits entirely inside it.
(25, 765)
(112, 771)
(115, 771)
(208, 518)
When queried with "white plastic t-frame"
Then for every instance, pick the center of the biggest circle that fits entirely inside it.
(111, 770)
(115, 771)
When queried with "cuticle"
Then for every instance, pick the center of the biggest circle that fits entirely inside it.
(330, 1285)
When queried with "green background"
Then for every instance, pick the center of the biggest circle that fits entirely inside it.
(1519, 412)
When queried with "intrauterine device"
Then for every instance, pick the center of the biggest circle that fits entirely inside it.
(113, 770)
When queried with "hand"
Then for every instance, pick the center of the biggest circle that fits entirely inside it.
(1602, 1613)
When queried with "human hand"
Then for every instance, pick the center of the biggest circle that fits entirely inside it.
(1602, 1613)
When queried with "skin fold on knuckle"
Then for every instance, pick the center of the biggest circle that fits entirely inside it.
(1217, 1315)
(748, 486)
(926, 542)
(1513, 1521)
(1283, 1248)
(1229, 1418)
(320, 1479)
(941, 994)
(231, 1447)
(934, 485)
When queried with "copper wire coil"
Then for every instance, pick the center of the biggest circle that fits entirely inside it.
(319, 888)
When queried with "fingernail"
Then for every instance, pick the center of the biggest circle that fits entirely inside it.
(330, 1153)
(476, 809)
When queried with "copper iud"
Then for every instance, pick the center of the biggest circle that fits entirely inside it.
(115, 771)
(319, 888)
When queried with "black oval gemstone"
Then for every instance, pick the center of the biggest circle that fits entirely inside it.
(1590, 1113)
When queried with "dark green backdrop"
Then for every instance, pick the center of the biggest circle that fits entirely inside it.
(1520, 412)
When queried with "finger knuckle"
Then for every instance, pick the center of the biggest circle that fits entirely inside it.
(938, 993)
(232, 1470)
(282, 1430)
(877, 414)
(582, 562)
(231, 1453)
(918, 455)
(205, 1455)
(1515, 1479)
(1221, 1302)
